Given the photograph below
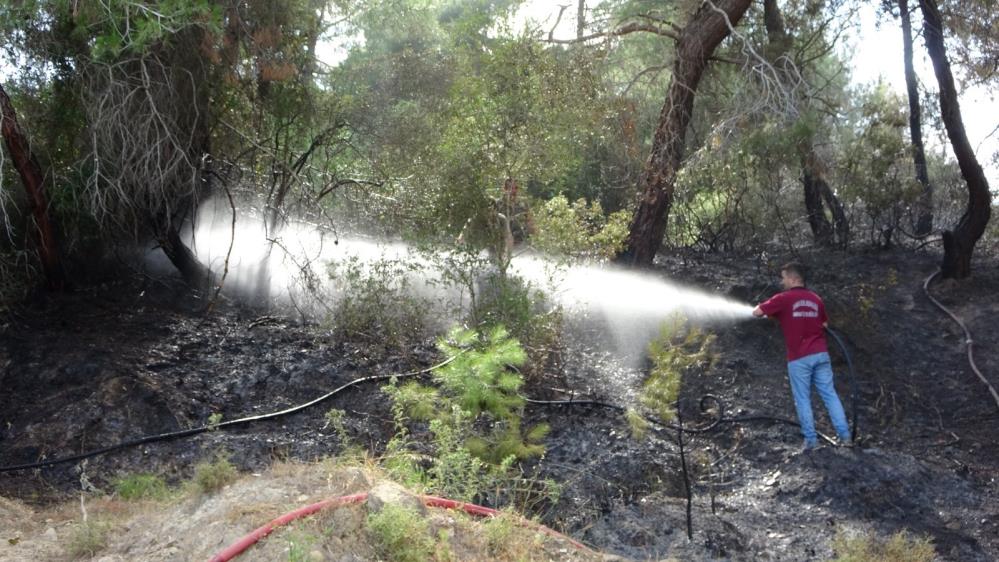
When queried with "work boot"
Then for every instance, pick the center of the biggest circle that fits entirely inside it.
(809, 446)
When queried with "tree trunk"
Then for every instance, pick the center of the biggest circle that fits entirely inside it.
(959, 243)
(841, 226)
(34, 183)
(194, 273)
(818, 194)
(815, 184)
(697, 42)
(924, 207)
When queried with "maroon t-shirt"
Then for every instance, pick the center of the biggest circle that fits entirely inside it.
(801, 314)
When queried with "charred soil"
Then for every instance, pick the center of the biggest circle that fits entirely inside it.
(134, 356)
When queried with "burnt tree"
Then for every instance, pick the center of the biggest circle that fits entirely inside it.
(34, 184)
(818, 193)
(700, 37)
(959, 243)
(924, 207)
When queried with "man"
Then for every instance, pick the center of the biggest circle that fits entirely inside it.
(802, 317)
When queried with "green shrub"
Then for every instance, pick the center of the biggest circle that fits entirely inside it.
(375, 303)
(403, 465)
(400, 535)
(456, 472)
(636, 423)
(141, 487)
(900, 547)
(212, 476)
(88, 538)
(508, 301)
(579, 229)
(678, 351)
(477, 378)
(474, 417)
(336, 419)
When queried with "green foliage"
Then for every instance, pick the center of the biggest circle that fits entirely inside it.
(637, 423)
(403, 465)
(456, 472)
(400, 534)
(579, 229)
(478, 379)
(500, 531)
(730, 194)
(877, 163)
(507, 440)
(214, 420)
(506, 300)
(143, 486)
(413, 401)
(679, 351)
(88, 538)
(375, 303)
(474, 418)
(337, 420)
(300, 544)
(900, 547)
(212, 476)
(117, 26)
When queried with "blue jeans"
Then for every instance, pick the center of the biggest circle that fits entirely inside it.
(817, 369)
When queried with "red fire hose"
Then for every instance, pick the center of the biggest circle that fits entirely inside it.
(237, 548)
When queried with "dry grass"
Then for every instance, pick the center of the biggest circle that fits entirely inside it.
(175, 527)
(900, 547)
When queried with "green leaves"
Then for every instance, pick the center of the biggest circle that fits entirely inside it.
(679, 350)
(478, 378)
(118, 26)
(579, 229)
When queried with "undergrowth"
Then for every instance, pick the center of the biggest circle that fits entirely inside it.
(474, 417)
(900, 547)
(375, 303)
(400, 534)
(211, 476)
(88, 538)
(681, 350)
(142, 486)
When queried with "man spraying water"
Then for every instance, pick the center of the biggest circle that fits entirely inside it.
(802, 317)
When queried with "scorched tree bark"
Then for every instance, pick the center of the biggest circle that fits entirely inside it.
(959, 244)
(34, 184)
(924, 221)
(705, 31)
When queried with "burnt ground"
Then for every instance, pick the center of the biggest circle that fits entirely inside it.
(135, 356)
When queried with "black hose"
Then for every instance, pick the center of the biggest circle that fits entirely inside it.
(221, 425)
(967, 337)
(854, 428)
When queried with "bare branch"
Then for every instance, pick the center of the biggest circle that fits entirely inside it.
(651, 69)
(626, 29)
(561, 10)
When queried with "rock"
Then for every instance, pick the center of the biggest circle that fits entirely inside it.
(388, 493)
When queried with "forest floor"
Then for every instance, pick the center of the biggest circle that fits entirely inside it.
(136, 356)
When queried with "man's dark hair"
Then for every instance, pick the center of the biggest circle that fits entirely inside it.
(795, 268)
